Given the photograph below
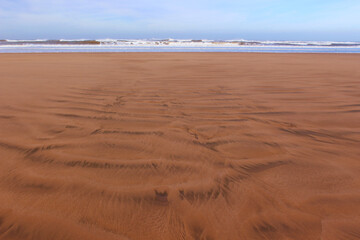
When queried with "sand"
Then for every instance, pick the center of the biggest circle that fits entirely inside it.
(179, 146)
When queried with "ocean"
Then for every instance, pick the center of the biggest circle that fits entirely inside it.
(175, 45)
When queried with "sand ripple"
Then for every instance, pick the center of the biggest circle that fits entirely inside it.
(179, 146)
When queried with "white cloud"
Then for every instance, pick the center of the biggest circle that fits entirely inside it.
(121, 17)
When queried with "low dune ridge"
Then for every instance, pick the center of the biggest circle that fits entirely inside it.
(208, 146)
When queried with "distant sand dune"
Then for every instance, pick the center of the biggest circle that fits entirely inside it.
(179, 146)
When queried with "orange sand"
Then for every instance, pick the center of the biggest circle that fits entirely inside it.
(179, 146)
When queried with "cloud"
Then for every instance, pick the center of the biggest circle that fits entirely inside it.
(111, 18)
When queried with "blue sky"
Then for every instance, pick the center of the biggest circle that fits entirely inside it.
(336, 20)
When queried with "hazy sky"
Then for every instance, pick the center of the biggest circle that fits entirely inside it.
(213, 19)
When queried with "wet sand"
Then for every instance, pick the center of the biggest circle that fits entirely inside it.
(179, 146)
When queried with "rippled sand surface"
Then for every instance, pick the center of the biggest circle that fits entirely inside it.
(179, 146)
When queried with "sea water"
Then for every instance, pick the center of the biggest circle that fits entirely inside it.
(171, 45)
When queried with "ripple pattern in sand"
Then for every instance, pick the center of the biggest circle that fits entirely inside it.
(168, 149)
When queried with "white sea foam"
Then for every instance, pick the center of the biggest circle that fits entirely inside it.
(166, 45)
(73, 40)
(184, 42)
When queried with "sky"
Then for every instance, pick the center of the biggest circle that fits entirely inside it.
(333, 20)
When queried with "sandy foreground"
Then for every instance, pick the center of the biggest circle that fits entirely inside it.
(179, 146)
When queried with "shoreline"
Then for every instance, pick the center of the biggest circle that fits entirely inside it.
(218, 52)
(174, 49)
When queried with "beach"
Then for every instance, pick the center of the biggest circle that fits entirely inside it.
(162, 146)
